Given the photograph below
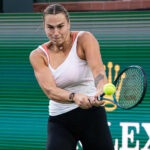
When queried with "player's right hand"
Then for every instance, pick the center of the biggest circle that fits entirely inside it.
(82, 101)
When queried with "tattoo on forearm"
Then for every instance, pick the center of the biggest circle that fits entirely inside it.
(98, 78)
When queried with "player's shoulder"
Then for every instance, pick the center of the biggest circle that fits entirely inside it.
(86, 38)
(35, 54)
(85, 35)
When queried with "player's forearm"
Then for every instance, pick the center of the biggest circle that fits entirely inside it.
(100, 80)
(57, 94)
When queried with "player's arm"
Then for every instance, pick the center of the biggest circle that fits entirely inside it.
(92, 54)
(45, 78)
(47, 83)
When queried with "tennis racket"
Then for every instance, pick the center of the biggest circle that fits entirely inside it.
(131, 86)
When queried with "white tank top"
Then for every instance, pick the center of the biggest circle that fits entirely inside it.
(73, 75)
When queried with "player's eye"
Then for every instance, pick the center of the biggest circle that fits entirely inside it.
(50, 27)
(60, 26)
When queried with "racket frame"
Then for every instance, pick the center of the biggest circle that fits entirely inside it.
(100, 97)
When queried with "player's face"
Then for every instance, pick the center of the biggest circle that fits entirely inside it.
(57, 27)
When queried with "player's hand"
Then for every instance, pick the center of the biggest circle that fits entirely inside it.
(94, 99)
(82, 101)
(95, 102)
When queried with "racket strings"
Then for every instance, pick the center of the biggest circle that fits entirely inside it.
(130, 87)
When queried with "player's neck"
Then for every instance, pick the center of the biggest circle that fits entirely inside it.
(65, 46)
(67, 43)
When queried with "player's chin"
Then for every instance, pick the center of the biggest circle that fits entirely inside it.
(57, 42)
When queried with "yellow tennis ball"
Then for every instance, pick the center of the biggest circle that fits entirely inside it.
(109, 89)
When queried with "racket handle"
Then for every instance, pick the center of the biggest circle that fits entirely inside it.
(100, 97)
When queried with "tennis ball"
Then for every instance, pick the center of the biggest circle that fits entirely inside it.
(109, 89)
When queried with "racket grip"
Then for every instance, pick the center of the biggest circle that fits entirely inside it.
(100, 97)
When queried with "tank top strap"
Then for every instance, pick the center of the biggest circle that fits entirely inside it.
(45, 48)
(74, 46)
(80, 32)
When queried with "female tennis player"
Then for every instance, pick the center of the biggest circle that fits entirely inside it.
(70, 71)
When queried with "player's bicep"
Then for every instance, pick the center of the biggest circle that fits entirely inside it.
(42, 72)
(92, 53)
(44, 78)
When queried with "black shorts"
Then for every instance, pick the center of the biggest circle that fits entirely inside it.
(87, 125)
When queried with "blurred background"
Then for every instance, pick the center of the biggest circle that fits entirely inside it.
(122, 28)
